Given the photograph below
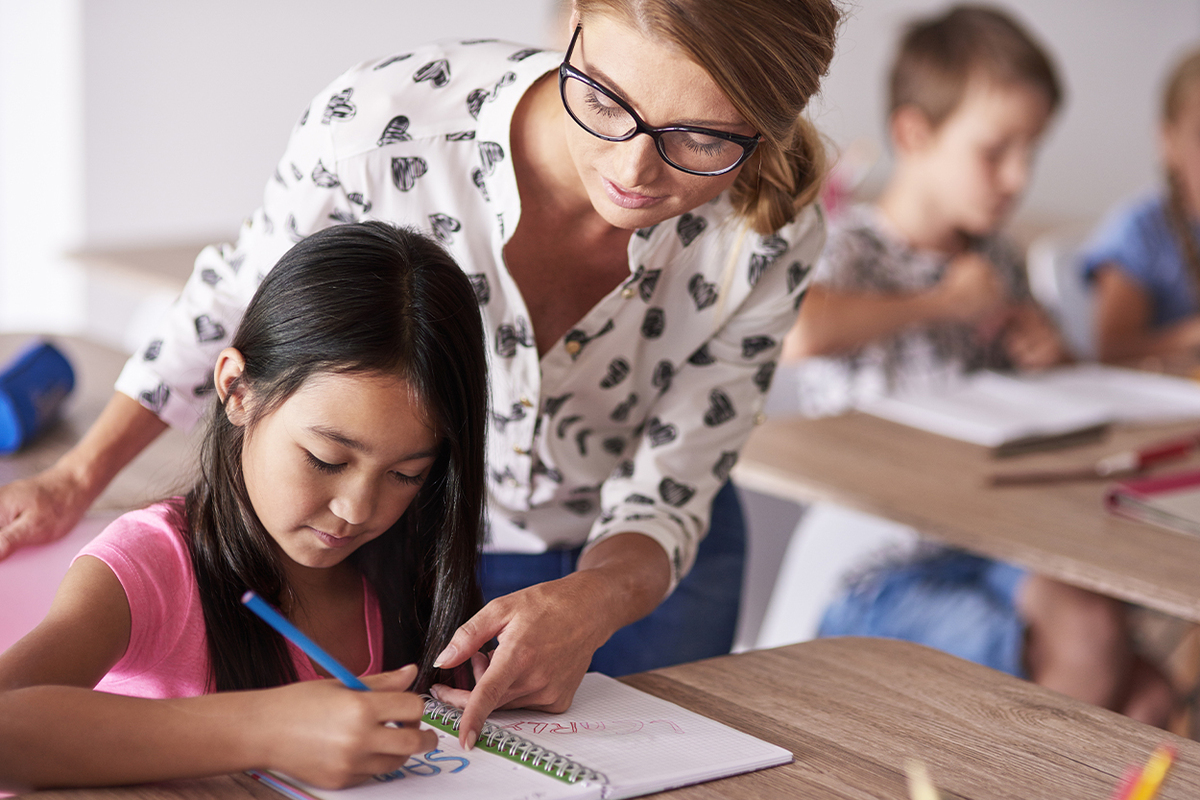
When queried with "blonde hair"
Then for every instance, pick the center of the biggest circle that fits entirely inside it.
(1182, 78)
(768, 56)
(938, 56)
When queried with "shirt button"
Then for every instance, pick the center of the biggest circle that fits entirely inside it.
(525, 401)
(573, 347)
(760, 418)
(628, 292)
(521, 451)
(513, 482)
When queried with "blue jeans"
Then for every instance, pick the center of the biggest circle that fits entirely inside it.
(696, 621)
(960, 603)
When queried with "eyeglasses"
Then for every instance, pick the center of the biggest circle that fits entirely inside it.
(696, 151)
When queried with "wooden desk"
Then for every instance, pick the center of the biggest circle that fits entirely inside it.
(853, 712)
(938, 486)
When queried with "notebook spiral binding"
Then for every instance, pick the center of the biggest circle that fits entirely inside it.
(493, 737)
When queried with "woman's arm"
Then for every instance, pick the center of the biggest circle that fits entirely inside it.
(1123, 314)
(47, 506)
(56, 731)
(835, 321)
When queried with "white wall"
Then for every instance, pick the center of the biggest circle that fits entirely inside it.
(1111, 54)
(136, 121)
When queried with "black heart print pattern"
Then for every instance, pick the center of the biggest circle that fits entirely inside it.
(664, 372)
(516, 415)
(490, 154)
(208, 387)
(621, 412)
(648, 283)
(796, 273)
(360, 201)
(477, 178)
(606, 516)
(387, 62)
(613, 445)
(753, 345)
(521, 55)
(581, 506)
(509, 336)
(552, 405)
(720, 409)
(660, 433)
(296, 173)
(478, 97)
(278, 177)
(689, 227)
(210, 276)
(645, 233)
(208, 330)
(581, 438)
(540, 468)
(157, 399)
(724, 465)
(323, 177)
(581, 338)
(640, 500)
(703, 293)
(701, 358)
(395, 131)
(799, 299)
(674, 493)
(564, 423)
(618, 370)
(343, 216)
(436, 72)
(483, 291)
(153, 350)
(339, 107)
(624, 469)
(444, 227)
(758, 265)
(293, 231)
(460, 136)
(303, 118)
(654, 323)
(762, 378)
(406, 171)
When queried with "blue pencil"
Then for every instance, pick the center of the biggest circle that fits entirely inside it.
(295, 636)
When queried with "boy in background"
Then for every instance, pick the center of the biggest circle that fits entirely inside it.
(916, 290)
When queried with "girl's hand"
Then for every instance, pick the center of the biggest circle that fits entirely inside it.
(333, 737)
(1031, 340)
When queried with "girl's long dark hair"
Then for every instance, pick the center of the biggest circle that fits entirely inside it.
(366, 297)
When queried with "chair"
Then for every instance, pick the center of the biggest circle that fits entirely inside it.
(1056, 280)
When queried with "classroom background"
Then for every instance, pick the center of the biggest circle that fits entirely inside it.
(149, 127)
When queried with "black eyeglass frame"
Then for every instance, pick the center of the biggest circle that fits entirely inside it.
(565, 71)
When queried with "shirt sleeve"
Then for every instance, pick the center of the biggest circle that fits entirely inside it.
(701, 419)
(171, 374)
(1122, 240)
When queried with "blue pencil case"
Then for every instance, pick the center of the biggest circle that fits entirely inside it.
(32, 389)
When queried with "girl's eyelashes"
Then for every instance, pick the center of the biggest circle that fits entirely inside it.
(411, 480)
(322, 466)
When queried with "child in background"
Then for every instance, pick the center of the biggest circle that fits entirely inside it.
(916, 291)
(1145, 260)
(341, 479)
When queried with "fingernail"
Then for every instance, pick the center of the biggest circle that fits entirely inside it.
(447, 655)
(471, 737)
(435, 690)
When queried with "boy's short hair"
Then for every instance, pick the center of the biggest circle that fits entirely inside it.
(938, 56)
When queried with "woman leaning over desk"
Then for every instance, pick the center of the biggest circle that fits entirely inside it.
(635, 288)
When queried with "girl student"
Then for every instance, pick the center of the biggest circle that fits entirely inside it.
(341, 478)
(1144, 261)
(636, 216)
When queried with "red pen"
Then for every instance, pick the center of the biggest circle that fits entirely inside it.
(1124, 463)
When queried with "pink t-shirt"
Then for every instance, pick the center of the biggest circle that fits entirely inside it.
(167, 654)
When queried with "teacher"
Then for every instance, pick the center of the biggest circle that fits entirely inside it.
(637, 220)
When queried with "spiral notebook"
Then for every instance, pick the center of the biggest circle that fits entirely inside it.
(615, 741)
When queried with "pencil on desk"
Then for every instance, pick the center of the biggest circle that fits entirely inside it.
(1154, 773)
(920, 786)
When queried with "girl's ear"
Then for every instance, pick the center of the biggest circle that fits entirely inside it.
(230, 366)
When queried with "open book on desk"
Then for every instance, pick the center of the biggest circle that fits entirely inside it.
(1058, 407)
(615, 741)
(1170, 500)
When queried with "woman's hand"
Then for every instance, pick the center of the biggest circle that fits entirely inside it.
(334, 737)
(40, 509)
(547, 633)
